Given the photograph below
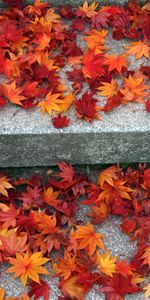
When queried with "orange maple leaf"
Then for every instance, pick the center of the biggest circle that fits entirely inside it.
(138, 49)
(105, 263)
(87, 238)
(146, 256)
(12, 93)
(66, 102)
(108, 89)
(4, 186)
(42, 41)
(134, 89)
(65, 266)
(71, 288)
(50, 103)
(51, 197)
(118, 190)
(13, 243)
(99, 213)
(51, 16)
(28, 266)
(88, 10)
(46, 223)
(115, 62)
(95, 38)
(108, 175)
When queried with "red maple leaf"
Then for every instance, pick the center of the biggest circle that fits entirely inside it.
(67, 172)
(39, 290)
(86, 107)
(118, 286)
(60, 121)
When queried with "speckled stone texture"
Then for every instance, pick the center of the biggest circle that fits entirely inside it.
(78, 2)
(28, 138)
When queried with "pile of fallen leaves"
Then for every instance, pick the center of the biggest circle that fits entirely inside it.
(37, 42)
(39, 224)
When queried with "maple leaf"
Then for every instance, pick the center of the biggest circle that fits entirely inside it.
(87, 238)
(51, 16)
(93, 64)
(146, 256)
(4, 185)
(147, 105)
(128, 225)
(30, 89)
(65, 266)
(108, 89)
(95, 39)
(87, 10)
(8, 215)
(71, 288)
(105, 263)
(147, 178)
(38, 290)
(113, 102)
(114, 194)
(86, 107)
(134, 89)
(60, 121)
(115, 62)
(2, 293)
(12, 93)
(138, 49)
(46, 223)
(147, 290)
(123, 268)
(42, 40)
(66, 102)
(51, 197)
(14, 243)
(67, 172)
(108, 175)
(118, 286)
(32, 198)
(28, 266)
(50, 103)
(99, 213)
(100, 19)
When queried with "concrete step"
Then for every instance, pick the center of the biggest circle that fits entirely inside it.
(76, 2)
(29, 139)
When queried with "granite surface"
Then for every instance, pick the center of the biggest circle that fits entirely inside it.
(28, 138)
(78, 2)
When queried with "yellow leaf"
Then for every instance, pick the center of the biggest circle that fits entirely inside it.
(106, 264)
(147, 290)
(138, 49)
(4, 186)
(108, 89)
(66, 102)
(88, 9)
